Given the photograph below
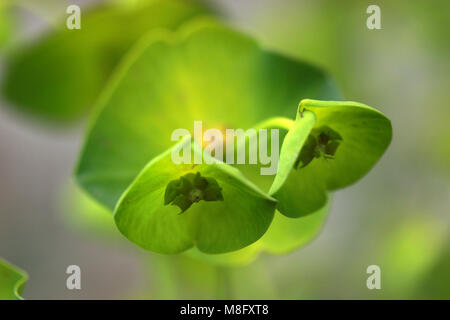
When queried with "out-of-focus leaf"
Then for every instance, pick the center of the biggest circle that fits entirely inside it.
(207, 72)
(12, 281)
(60, 76)
(5, 23)
(231, 259)
(287, 234)
(361, 134)
(435, 284)
(84, 214)
(408, 253)
(240, 217)
(283, 236)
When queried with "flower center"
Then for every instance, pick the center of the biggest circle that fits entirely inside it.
(192, 188)
(322, 143)
(195, 195)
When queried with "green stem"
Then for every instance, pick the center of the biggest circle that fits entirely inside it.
(162, 281)
(224, 290)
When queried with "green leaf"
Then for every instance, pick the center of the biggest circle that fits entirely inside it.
(5, 23)
(86, 215)
(60, 76)
(206, 72)
(348, 138)
(12, 281)
(288, 234)
(235, 219)
(283, 236)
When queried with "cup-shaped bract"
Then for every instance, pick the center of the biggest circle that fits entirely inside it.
(331, 145)
(225, 211)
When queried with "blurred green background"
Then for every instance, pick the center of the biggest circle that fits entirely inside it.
(397, 217)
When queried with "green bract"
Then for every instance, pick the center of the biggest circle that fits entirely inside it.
(236, 215)
(61, 75)
(358, 136)
(12, 281)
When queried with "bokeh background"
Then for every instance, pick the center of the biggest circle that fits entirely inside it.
(397, 217)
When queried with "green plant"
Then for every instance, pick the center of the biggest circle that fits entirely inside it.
(12, 281)
(207, 71)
